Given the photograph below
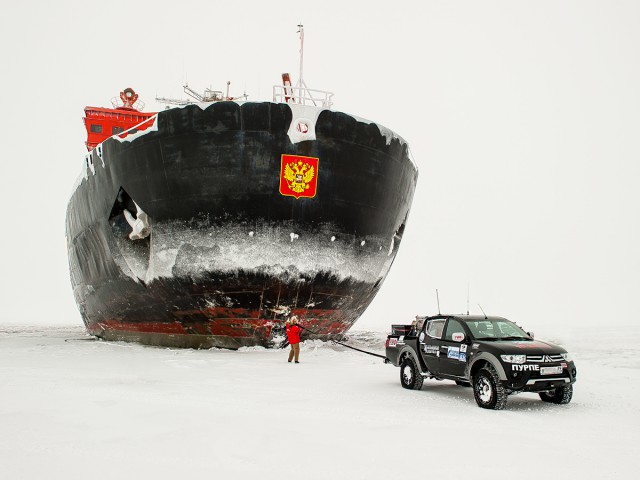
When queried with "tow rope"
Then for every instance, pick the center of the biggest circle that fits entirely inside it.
(345, 345)
(363, 351)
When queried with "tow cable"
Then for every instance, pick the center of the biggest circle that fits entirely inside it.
(345, 345)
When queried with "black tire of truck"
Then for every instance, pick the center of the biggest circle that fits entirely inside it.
(410, 376)
(559, 396)
(488, 390)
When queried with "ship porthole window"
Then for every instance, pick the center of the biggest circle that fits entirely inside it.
(116, 130)
(96, 128)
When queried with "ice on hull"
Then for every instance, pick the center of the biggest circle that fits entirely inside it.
(219, 256)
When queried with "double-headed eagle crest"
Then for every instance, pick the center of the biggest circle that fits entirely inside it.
(299, 175)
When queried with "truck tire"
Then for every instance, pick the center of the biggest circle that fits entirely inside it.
(488, 390)
(409, 374)
(560, 396)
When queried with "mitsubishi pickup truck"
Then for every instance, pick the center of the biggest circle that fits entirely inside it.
(491, 354)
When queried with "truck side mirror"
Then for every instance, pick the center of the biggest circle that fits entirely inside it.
(530, 334)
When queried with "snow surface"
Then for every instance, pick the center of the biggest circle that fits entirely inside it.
(72, 407)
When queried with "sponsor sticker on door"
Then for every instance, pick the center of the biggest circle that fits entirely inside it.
(433, 349)
(453, 352)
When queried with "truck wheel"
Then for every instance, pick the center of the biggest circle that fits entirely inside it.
(561, 395)
(409, 374)
(487, 389)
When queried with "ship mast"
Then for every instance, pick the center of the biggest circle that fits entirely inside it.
(300, 80)
(301, 84)
(301, 94)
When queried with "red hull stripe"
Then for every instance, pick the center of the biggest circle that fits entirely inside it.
(204, 322)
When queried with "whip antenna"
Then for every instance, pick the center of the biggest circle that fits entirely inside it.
(485, 315)
(467, 299)
(438, 299)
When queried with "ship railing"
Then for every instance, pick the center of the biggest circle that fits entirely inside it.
(117, 103)
(302, 96)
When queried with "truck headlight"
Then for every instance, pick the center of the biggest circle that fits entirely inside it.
(567, 357)
(514, 358)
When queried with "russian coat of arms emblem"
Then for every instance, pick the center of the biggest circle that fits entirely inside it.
(298, 176)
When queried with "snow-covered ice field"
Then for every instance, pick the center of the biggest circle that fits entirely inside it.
(73, 408)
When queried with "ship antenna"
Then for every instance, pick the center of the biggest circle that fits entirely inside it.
(438, 299)
(485, 315)
(301, 32)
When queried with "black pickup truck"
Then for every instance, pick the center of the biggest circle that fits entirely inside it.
(491, 354)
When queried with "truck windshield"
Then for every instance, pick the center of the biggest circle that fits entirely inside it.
(497, 330)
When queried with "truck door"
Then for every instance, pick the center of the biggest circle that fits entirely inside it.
(453, 350)
(429, 343)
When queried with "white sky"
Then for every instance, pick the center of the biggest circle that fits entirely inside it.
(523, 118)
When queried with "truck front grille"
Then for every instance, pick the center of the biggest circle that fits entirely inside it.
(544, 358)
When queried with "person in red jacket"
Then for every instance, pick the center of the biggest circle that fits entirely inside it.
(293, 334)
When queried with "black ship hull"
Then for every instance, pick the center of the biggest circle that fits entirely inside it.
(226, 253)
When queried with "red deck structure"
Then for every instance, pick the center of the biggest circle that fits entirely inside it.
(102, 123)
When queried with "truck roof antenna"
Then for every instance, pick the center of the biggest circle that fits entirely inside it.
(438, 298)
(485, 315)
(467, 298)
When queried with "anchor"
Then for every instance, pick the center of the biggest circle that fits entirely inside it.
(140, 227)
